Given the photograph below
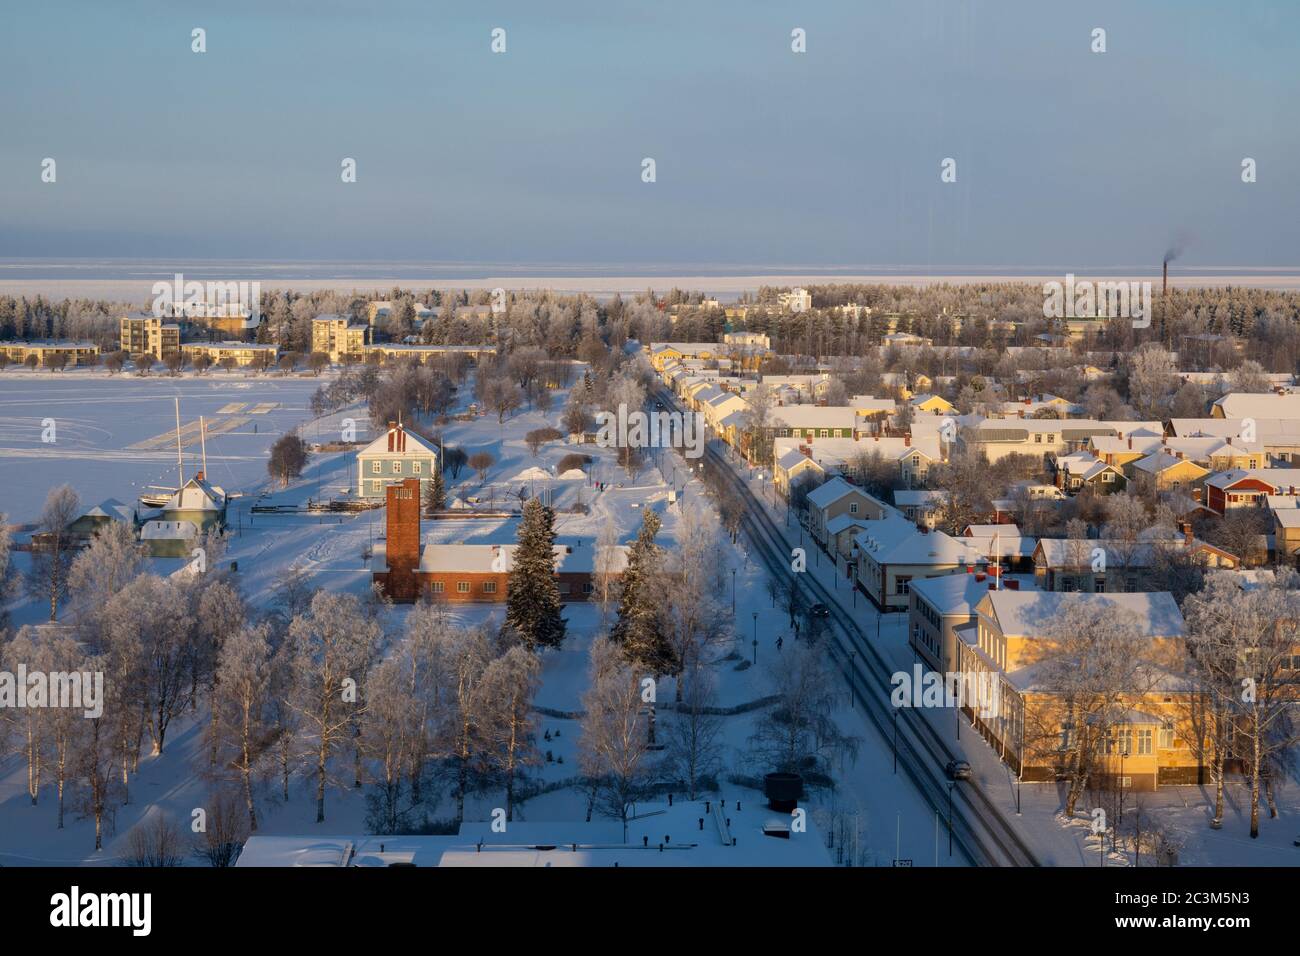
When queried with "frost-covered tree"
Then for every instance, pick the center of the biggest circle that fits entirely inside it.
(504, 705)
(388, 730)
(798, 734)
(694, 736)
(29, 725)
(108, 564)
(96, 756)
(607, 567)
(693, 615)
(151, 632)
(467, 653)
(533, 599)
(244, 728)
(53, 550)
(1097, 663)
(333, 645)
(614, 748)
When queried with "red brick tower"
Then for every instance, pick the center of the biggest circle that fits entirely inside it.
(403, 551)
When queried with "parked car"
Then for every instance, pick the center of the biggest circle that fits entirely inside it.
(958, 770)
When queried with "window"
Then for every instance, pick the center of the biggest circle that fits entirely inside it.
(1109, 476)
(397, 467)
(489, 587)
(1144, 742)
(462, 587)
(376, 467)
(1167, 736)
(825, 433)
(436, 587)
(415, 467)
(588, 588)
(853, 507)
(903, 584)
(375, 486)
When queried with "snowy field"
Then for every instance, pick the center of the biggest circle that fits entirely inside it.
(114, 436)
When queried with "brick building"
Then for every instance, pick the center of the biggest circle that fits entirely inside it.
(471, 573)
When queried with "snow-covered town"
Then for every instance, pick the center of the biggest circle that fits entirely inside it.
(449, 605)
(752, 457)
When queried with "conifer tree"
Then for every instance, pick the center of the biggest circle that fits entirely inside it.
(533, 602)
(435, 492)
(638, 629)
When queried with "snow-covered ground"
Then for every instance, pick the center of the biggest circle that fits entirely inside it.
(114, 436)
(99, 418)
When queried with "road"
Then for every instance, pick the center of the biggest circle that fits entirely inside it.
(980, 829)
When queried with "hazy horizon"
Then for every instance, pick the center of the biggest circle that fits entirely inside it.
(1067, 160)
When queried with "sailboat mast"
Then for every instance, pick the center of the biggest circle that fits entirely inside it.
(180, 463)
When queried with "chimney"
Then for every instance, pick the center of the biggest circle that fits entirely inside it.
(907, 441)
(1187, 533)
(1130, 442)
(1020, 413)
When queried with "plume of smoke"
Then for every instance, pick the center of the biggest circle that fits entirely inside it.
(1177, 246)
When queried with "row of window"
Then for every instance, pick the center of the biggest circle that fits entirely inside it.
(377, 467)
(488, 587)
(1122, 742)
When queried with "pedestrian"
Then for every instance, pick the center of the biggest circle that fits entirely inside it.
(779, 642)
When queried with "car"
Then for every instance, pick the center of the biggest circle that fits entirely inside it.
(819, 610)
(659, 404)
(958, 770)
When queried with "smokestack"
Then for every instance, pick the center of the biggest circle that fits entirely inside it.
(1164, 288)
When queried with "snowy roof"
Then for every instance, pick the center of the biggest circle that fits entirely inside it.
(831, 492)
(396, 440)
(110, 508)
(842, 522)
(1027, 613)
(732, 836)
(1264, 405)
(957, 594)
(895, 540)
(812, 416)
(196, 495)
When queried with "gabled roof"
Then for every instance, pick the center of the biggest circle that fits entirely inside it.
(1028, 613)
(397, 441)
(895, 540)
(196, 495)
(831, 492)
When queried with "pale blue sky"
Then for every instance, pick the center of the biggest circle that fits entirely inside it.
(765, 158)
